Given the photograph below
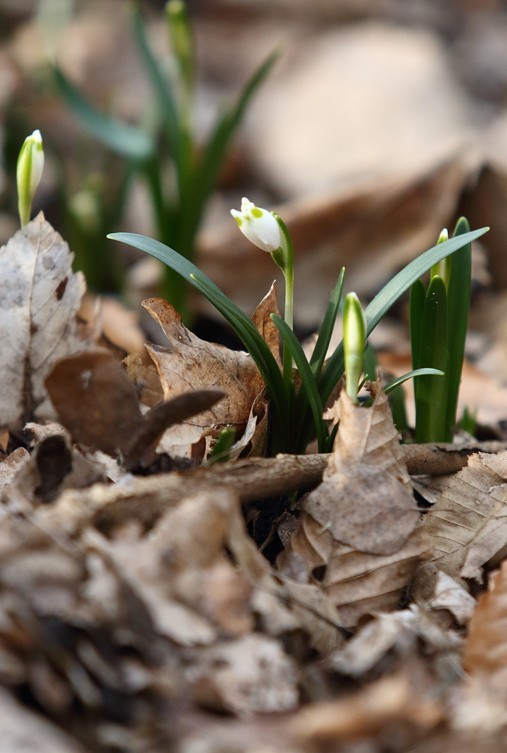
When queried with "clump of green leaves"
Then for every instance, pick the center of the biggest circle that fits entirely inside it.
(297, 405)
(438, 326)
(166, 144)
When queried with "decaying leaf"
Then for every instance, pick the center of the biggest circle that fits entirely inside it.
(261, 317)
(485, 653)
(10, 465)
(480, 705)
(359, 534)
(366, 712)
(39, 298)
(191, 363)
(98, 404)
(23, 730)
(54, 465)
(366, 436)
(450, 595)
(249, 675)
(468, 524)
(399, 633)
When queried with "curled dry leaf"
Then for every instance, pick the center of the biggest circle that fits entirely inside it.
(190, 363)
(98, 404)
(467, 525)
(261, 317)
(366, 436)
(39, 298)
(450, 595)
(54, 465)
(359, 534)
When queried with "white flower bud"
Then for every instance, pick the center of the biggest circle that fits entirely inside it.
(354, 342)
(258, 225)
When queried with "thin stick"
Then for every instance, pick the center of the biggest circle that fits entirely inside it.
(258, 478)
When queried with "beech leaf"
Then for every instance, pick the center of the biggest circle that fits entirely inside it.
(39, 298)
(467, 525)
(485, 652)
(189, 363)
(359, 533)
(98, 404)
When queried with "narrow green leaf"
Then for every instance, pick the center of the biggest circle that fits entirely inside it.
(417, 298)
(165, 99)
(398, 407)
(308, 381)
(458, 305)
(370, 363)
(388, 296)
(121, 138)
(433, 353)
(411, 375)
(327, 326)
(210, 164)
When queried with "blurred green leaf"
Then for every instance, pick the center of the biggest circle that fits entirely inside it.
(121, 138)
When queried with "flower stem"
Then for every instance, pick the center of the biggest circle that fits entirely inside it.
(284, 258)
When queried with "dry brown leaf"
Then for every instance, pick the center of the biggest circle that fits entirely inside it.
(118, 326)
(142, 372)
(249, 675)
(485, 653)
(191, 363)
(359, 534)
(10, 466)
(467, 525)
(39, 299)
(400, 632)
(261, 317)
(23, 730)
(366, 436)
(450, 595)
(98, 404)
(53, 466)
(367, 712)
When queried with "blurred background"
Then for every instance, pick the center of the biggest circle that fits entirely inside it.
(380, 122)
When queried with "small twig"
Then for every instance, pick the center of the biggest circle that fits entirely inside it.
(258, 478)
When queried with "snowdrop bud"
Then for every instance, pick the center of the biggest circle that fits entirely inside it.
(258, 225)
(28, 173)
(354, 342)
(443, 268)
(444, 236)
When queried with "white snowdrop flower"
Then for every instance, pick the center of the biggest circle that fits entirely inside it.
(258, 225)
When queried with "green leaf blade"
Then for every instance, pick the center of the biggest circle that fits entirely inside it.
(388, 296)
(458, 306)
(123, 139)
(433, 353)
(308, 381)
(326, 329)
(160, 85)
(207, 171)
